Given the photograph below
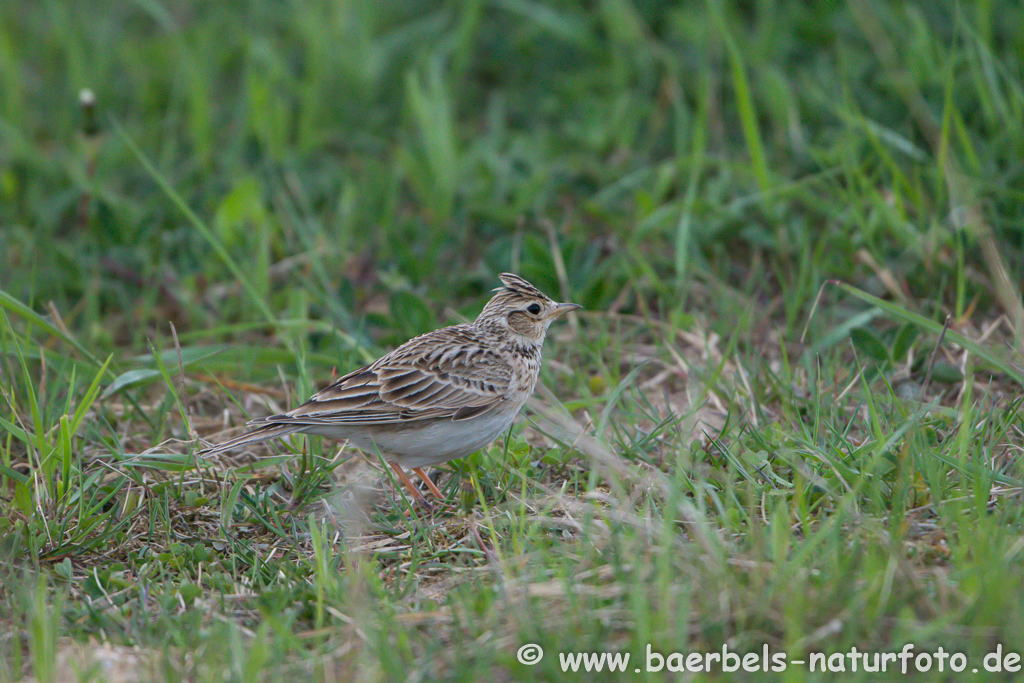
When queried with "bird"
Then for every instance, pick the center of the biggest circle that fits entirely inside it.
(439, 396)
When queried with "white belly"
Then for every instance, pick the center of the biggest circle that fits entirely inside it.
(431, 443)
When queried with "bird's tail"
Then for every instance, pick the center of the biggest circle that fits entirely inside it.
(262, 433)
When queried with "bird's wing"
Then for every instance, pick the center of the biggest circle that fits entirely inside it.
(448, 373)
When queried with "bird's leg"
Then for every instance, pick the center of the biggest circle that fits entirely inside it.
(426, 480)
(409, 485)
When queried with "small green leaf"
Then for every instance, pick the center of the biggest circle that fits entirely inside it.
(868, 343)
(946, 373)
(241, 210)
(189, 354)
(168, 462)
(63, 569)
(132, 378)
(905, 338)
(13, 474)
(189, 592)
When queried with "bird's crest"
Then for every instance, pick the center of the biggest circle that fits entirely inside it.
(517, 285)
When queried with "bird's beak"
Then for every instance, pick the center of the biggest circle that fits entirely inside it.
(559, 309)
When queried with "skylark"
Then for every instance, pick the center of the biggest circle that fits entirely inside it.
(437, 397)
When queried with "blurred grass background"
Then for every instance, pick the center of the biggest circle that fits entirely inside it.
(297, 187)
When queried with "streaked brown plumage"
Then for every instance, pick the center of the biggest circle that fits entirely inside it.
(437, 397)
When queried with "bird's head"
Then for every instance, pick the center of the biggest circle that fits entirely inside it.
(522, 308)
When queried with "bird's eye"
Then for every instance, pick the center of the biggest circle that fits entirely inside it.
(534, 309)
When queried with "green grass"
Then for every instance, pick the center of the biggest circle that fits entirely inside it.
(790, 416)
